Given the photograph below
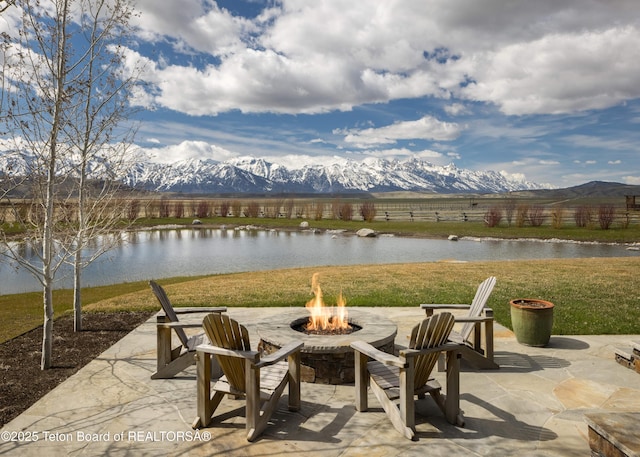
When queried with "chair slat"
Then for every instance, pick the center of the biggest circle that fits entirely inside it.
(261, 384)
(479, 302)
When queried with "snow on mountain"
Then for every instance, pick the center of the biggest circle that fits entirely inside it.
(256, 175)
(250, 174)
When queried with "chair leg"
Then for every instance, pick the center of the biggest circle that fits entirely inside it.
(393, 413)
(163, 343)
(361, 381)
(407, 404)
(203, 389)
(294, 381)
(452, 402)
(488, 336)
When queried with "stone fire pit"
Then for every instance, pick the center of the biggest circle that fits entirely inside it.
(327, 359)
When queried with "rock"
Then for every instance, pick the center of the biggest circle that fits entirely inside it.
(453, 237)
(365, 232)
(304, 225)
(196, 222)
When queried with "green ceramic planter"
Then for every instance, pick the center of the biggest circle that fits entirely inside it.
(532, 321)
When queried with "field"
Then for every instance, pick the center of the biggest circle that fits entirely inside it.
(594, 296)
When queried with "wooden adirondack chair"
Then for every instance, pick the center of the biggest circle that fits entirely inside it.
(476, 351)
(260, 379)
(396, 379)
(172, 361)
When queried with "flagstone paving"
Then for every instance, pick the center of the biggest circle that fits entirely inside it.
(536, 404)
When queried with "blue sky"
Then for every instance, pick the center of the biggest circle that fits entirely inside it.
(547, 90)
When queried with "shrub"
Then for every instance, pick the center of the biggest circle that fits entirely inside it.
(133, 209)
(557, 214)
(224, 208)
(178, 209)
(368, 211)
(509, 209)
(582, 216)
(536, 215)
(253, 209)
(202, 209)
(288, 208)
(164, 208)
(346, 211)
(319, 211)
(493, 216)
(236, 208)
(606, 214)
(335, 209)
(521, 215)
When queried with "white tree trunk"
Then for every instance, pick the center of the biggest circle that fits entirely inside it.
(77, 295)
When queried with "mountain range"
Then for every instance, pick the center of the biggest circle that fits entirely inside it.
(255, 175)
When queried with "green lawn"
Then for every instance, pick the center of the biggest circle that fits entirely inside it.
(592, 296)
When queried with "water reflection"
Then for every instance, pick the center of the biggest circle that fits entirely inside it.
(184, 252)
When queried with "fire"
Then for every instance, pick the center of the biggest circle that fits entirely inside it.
(326, 318)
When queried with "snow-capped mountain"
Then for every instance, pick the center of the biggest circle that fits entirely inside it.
(254, 175)
(373, 175)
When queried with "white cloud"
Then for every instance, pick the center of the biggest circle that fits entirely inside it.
(633, 180)
(456, 109)
(560, 73)
(188, 150)
(314, 57)
(426, 128)
(192, 26)
(403, 154)
(518, 177)
(607, 143)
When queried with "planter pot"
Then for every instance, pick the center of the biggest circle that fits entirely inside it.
(532, 321)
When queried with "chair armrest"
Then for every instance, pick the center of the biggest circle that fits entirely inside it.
(444, 306)
(180, 310)
(215, 350)
(473, 319)
(442, 348)
(282, 353)
(376, 354)
(178, 325)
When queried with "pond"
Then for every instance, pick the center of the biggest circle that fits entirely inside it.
(153, 254)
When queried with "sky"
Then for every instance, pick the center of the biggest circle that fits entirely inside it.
(547, 91)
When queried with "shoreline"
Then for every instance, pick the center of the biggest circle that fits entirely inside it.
(417, 235)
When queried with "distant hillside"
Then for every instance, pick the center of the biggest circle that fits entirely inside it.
(594, 189)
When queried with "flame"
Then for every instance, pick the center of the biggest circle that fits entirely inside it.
(325, 318)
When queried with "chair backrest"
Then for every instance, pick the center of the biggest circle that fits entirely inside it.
(167, 307)
(431, 332)
(477, 305)
(226, 333)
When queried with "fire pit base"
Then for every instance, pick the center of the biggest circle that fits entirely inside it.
(327, 359)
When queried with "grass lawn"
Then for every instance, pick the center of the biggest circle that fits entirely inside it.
(592, 296)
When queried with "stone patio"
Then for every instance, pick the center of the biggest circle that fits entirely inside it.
(536, 405)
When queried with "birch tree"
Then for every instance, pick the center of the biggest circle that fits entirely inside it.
(102, 144)
(55, 120)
